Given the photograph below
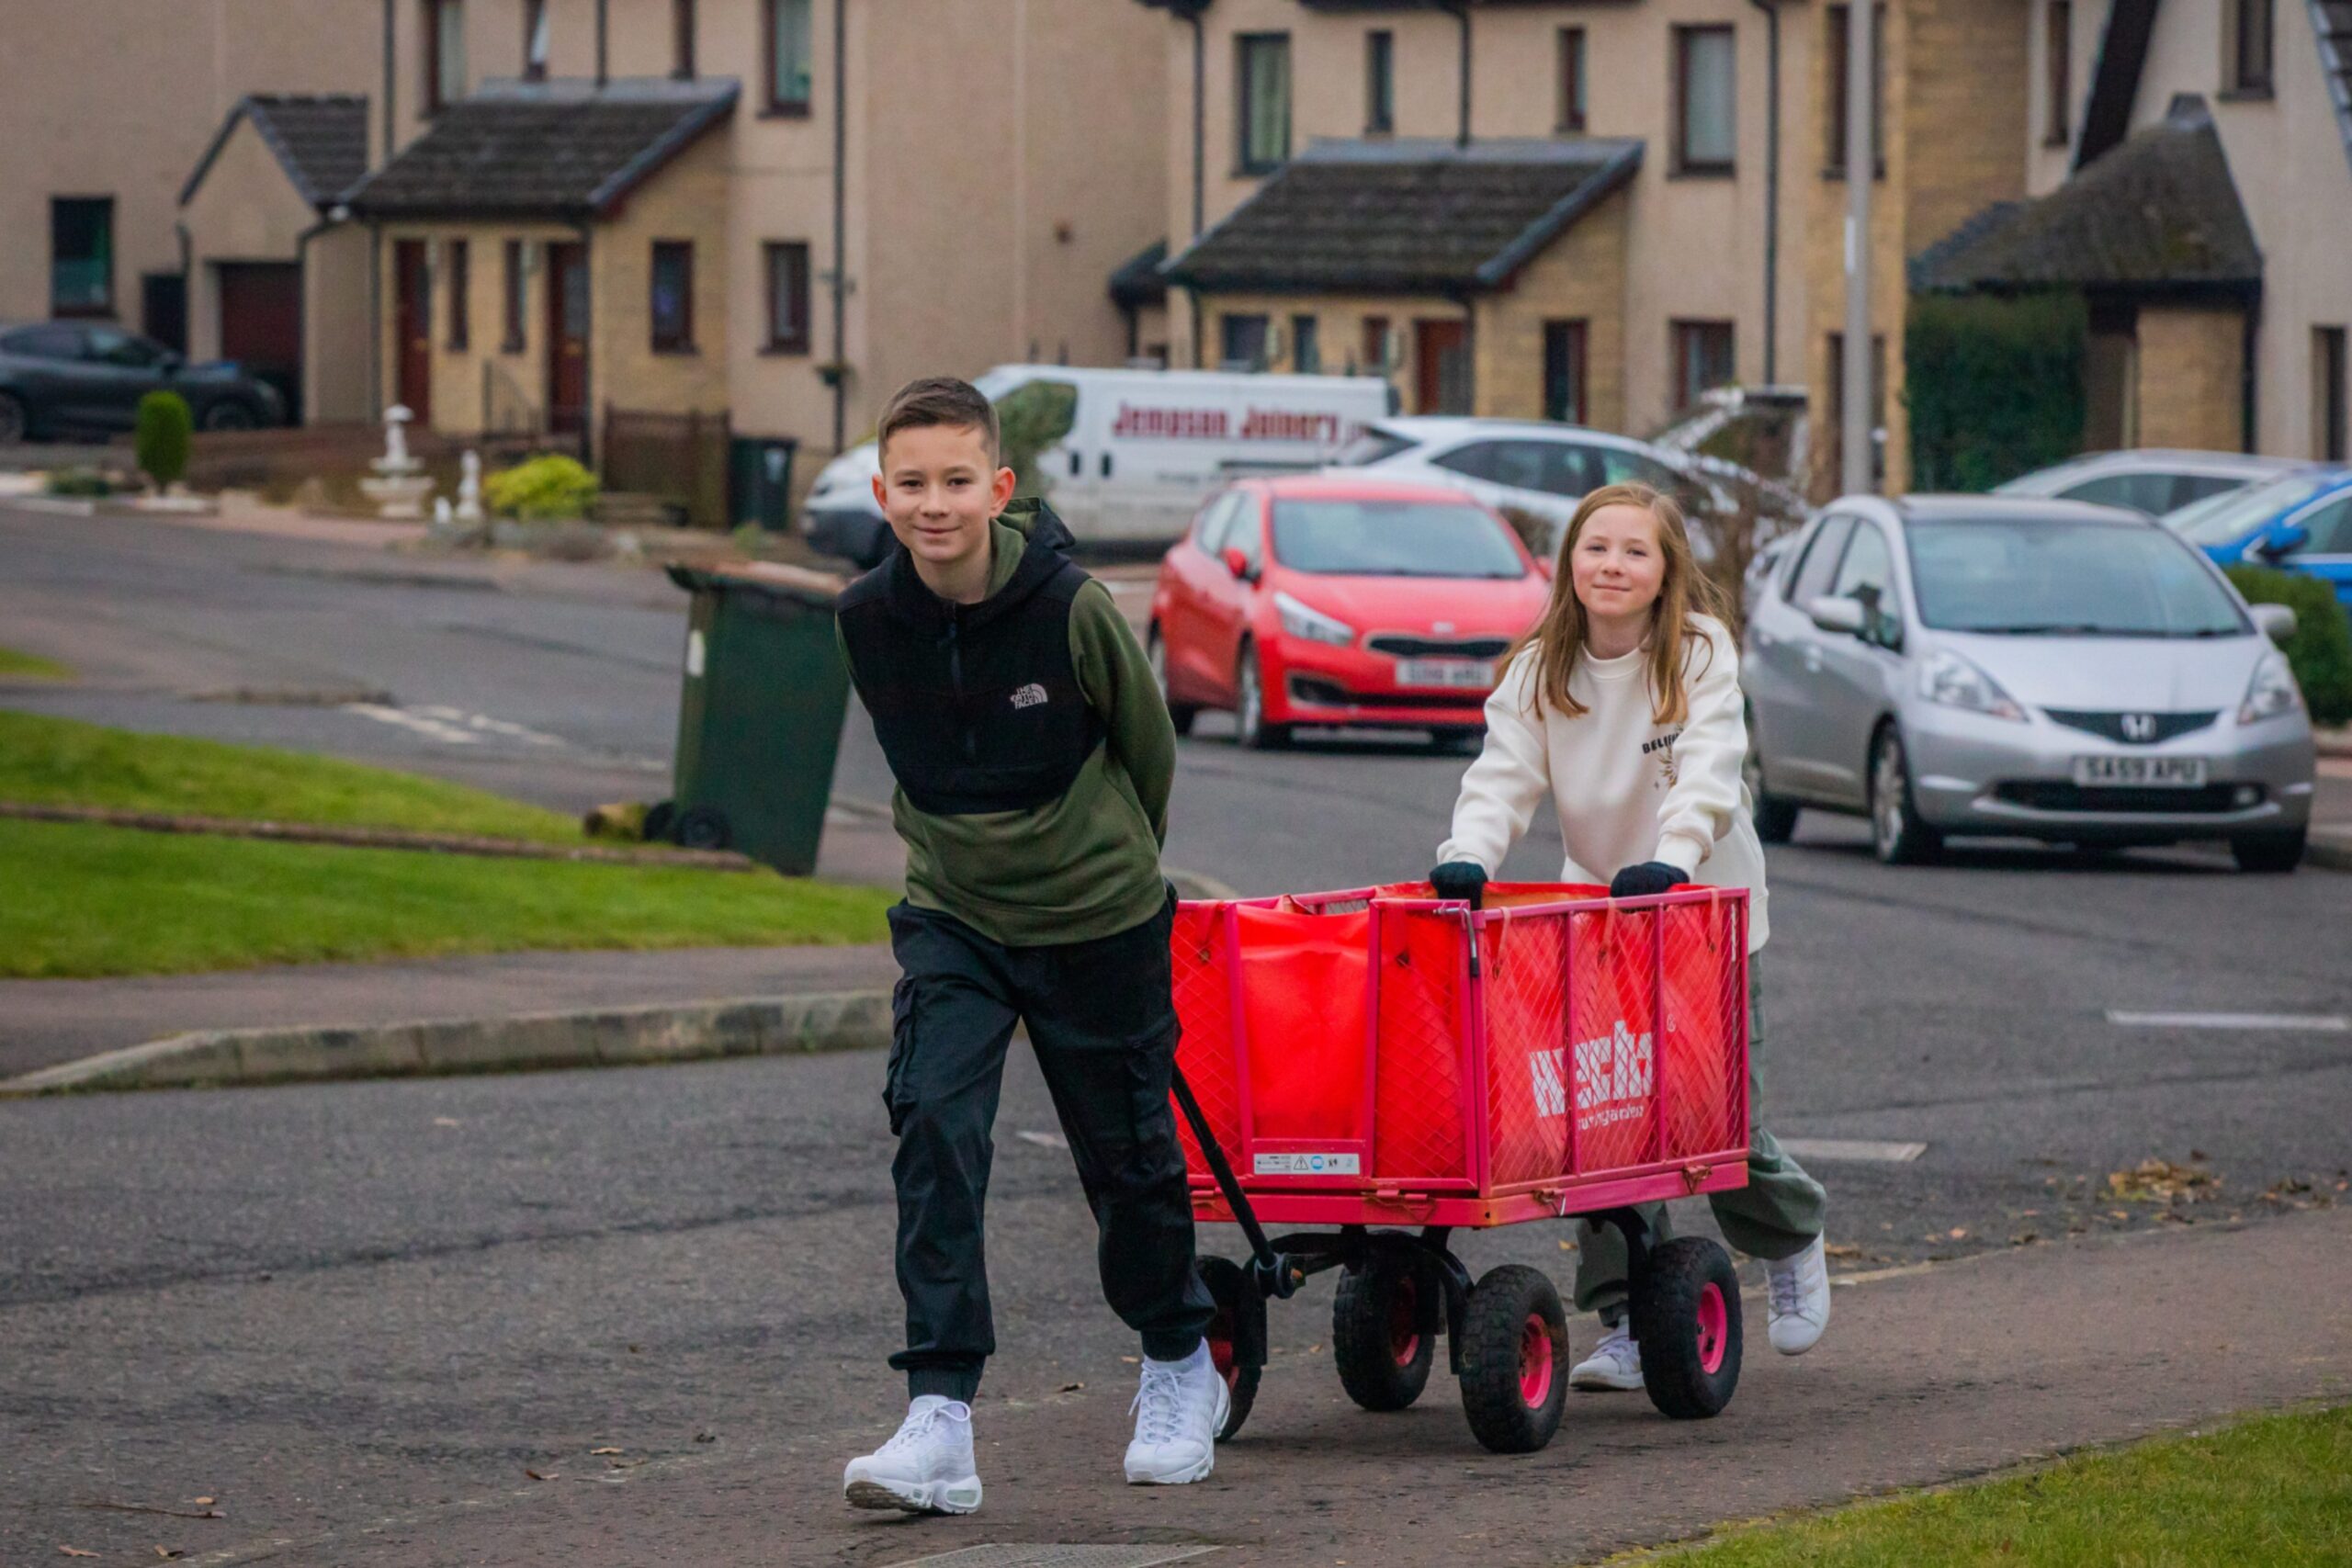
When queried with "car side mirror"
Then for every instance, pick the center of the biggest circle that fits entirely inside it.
(2276, 622)
(1236, 562)
(171, 364)
(2283, 540)
(1838, 615)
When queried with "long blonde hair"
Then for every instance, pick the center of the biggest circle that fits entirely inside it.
(1559, 637)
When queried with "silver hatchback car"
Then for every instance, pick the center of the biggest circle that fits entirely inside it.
(1954, 665)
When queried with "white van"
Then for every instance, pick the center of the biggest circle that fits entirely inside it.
(1144, 450)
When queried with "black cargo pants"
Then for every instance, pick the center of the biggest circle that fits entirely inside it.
(1104, 1024)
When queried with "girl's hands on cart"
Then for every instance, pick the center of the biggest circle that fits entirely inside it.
(1642, 881)
(1460, 879)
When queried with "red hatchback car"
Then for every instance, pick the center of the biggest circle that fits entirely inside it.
(1316, 601)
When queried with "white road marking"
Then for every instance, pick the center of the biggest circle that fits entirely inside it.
(2309, 1022)
(401, 719)
(489, 726)
(1044, 1140)
(1859, 1150)
(452, 727)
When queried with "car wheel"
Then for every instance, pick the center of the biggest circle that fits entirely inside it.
(1776, 815)
(230, 414)
(12, 425)
(1180, 713)
(1457, 741)
(1250, 729)
(1897, 833)
(2269, 851)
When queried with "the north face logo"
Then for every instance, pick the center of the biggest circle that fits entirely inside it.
(1032, 696)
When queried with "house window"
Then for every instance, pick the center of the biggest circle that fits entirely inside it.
(2058, 72)
(1703, 358)
(1379, 82)
(673, 305)
(1563, 372)
(1264, 101)
(1834, 158)
(1573, 102)
(1307, 345)
(445, 53)
(2246, 48)
(682, 40)
(1705, 104)
(81, 255)
(535, 41)
(787, 297)
(460, 307)
(511, 292)
(1243, 343)
(1375, 345)
(2331, 438)
(789, 52)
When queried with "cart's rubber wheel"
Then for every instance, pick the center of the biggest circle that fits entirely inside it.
(1514, 1360)
(1686, 1319)
(1383, 1331)
(660, 818)
(703, 828)
(1229, 1336)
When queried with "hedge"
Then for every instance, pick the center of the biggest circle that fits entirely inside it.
(1995, 386)
(2321, 650)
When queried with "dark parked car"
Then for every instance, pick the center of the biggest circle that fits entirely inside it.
(87, 378)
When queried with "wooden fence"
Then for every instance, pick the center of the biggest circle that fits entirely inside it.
(679, 458)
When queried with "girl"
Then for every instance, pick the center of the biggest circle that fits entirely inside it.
(1624, 702)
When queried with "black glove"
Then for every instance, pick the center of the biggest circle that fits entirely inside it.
(1641, 881)
(1460, 879)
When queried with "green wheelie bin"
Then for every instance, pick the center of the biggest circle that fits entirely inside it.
(760, 719)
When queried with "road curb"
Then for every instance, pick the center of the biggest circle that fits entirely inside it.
(2329, 850)
(750, 1026)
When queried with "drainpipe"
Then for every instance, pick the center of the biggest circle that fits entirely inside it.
(603, 32)
(1771, 187)
(1191, 16)
(840, 223)
(1461, 9)
(391, 81)
(1861, 161)
(302, 320)
(375, 318)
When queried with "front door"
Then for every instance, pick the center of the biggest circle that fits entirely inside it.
(567, 339)
(261, 324)
(1442, 366)
(412, 325)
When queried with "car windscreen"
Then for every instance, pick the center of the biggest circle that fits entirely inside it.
(1371, 445)
(2038, 578)
(1393, 538)
(2219, 519)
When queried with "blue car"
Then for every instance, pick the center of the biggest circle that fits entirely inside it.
(2299, 522)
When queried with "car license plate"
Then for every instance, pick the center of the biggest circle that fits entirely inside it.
(1453, 674)
(2140, 773)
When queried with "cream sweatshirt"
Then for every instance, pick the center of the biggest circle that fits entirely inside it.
(1627, 788)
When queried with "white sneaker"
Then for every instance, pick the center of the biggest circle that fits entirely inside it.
(1177, 1412)
(925, 1469)
(1614, 1366)
(1799, 1287)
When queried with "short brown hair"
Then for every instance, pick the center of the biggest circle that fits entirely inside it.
(941, 401)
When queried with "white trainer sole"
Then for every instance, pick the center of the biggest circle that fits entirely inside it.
(925, 1497)
(1594, 1379)
(1190, 1473)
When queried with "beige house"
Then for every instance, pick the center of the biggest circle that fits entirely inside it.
(1614, 305)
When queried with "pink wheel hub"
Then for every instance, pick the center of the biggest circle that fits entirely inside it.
(1404, 1322)
(1714, 1327)
(1535, 1361)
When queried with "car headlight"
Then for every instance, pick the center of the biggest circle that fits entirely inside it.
(1303, 620)
(2272, 691)
(1945, 677)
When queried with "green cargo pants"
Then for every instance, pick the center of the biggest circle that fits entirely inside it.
(1776, 1215)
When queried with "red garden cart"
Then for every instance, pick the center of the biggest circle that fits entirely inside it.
(1390, 1067)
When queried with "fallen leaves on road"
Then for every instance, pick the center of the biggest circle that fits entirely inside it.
(1960, 1233)
(199, 1502)
(73, 1550)
(1842, 1249)
(2160, 1182)
(540, 1476)
(608, 1451)
(168, 1553)
(1070, 1388)
(705, 1436)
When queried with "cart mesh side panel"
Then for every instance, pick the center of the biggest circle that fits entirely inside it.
(1416, 1118)
(1705, 1006)
(1204, 994)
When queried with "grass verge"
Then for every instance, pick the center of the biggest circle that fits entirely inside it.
(79, 901)
(2275, 1490)
(61, 762)
(17, 665)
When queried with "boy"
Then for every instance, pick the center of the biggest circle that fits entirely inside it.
(1033, 758)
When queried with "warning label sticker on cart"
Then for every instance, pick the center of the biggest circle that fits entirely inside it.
(1298, 1164)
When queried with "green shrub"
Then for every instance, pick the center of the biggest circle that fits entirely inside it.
(544, 489)
(1031, 418)
(2321, 650)
(78, 482)
(1995, 386)
(164, 433)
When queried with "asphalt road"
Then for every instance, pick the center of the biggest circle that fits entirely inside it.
(333, 1305)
